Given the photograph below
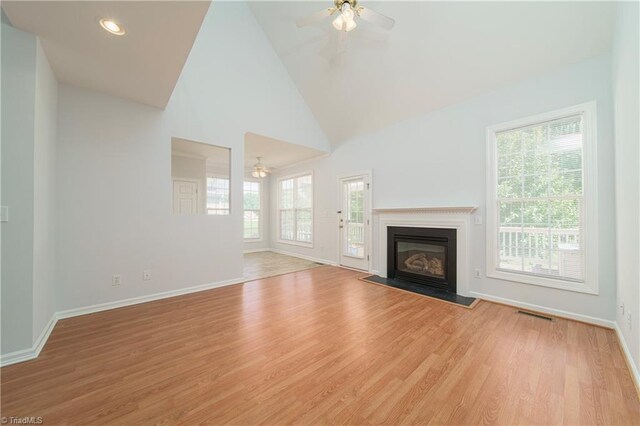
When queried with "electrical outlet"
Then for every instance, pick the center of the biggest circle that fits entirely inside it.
(629, 320)
(146, 274)
(4, 214)
(477, 273)
(116, 279)
(622, 308)
(478, 219)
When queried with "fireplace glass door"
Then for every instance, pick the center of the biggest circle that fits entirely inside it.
(426, 259)
(425, 256)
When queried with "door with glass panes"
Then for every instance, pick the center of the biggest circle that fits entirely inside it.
(354, 221)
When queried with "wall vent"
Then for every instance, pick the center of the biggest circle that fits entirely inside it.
(533, 314)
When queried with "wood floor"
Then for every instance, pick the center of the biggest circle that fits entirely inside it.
(268, 264)
(320, 346)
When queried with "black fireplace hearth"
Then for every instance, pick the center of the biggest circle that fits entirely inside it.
(424, 256)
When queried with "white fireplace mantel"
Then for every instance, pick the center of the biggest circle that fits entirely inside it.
(458, 218)
(460, 209)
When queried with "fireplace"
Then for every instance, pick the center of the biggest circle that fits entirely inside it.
(425, 256)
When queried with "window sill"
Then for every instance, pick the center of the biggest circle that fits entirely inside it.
(295, 243)
(253, 240)
(543, 282)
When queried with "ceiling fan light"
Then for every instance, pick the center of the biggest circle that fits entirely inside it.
(342, 25)
(345, 20)
(347, 12)
(350, 25)
(259, 173)
(338, 23)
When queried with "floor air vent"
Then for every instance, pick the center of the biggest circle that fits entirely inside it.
(531, 314)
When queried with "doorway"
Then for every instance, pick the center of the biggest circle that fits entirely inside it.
(355, 221)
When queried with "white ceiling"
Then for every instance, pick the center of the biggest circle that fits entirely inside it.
(213, 153)
(143, 65)
(275, 153)
(438, 53)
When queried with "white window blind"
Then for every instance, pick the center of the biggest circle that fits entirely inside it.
(540, 199)
(295, 209)
(252, 210)
(217, 195)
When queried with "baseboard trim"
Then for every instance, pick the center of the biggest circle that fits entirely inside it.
(259, 250)
(550, 311)
(144, 299)
(302, 256)
(34, 351)
(633, 368)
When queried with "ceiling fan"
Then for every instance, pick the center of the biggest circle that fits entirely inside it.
(259, 170)
(348, 11)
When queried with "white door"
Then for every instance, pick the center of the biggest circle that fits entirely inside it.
(185, 197)
(355, 222)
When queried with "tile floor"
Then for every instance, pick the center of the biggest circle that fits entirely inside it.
(268, 264)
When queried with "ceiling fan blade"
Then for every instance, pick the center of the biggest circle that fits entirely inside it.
(376, 18)
(315, 17)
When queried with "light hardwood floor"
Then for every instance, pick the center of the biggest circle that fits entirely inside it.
(321, 346)
(269, 264)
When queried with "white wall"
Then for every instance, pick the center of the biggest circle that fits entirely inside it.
(18, 90)
(44, 229)
(438, 159)
(114, 166)
(626, 73)
(29, 98)
(265, 241)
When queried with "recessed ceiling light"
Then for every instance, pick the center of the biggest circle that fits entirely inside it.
(112, 26)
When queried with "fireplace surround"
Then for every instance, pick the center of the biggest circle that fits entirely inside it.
(456, 217)
(424, 256)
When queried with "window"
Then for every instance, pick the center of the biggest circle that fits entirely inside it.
(217, 195)
(541, 209)
(295, 209)
(252, 206)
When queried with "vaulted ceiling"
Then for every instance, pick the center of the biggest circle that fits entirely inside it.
(438, 54)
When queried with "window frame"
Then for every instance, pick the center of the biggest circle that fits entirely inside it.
(279, 238)
(210, 175)
(260, 211)
(589, 235)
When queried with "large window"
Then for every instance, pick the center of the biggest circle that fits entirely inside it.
(252, 213)
(295, 209)
(540, 207)
(217, 195)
